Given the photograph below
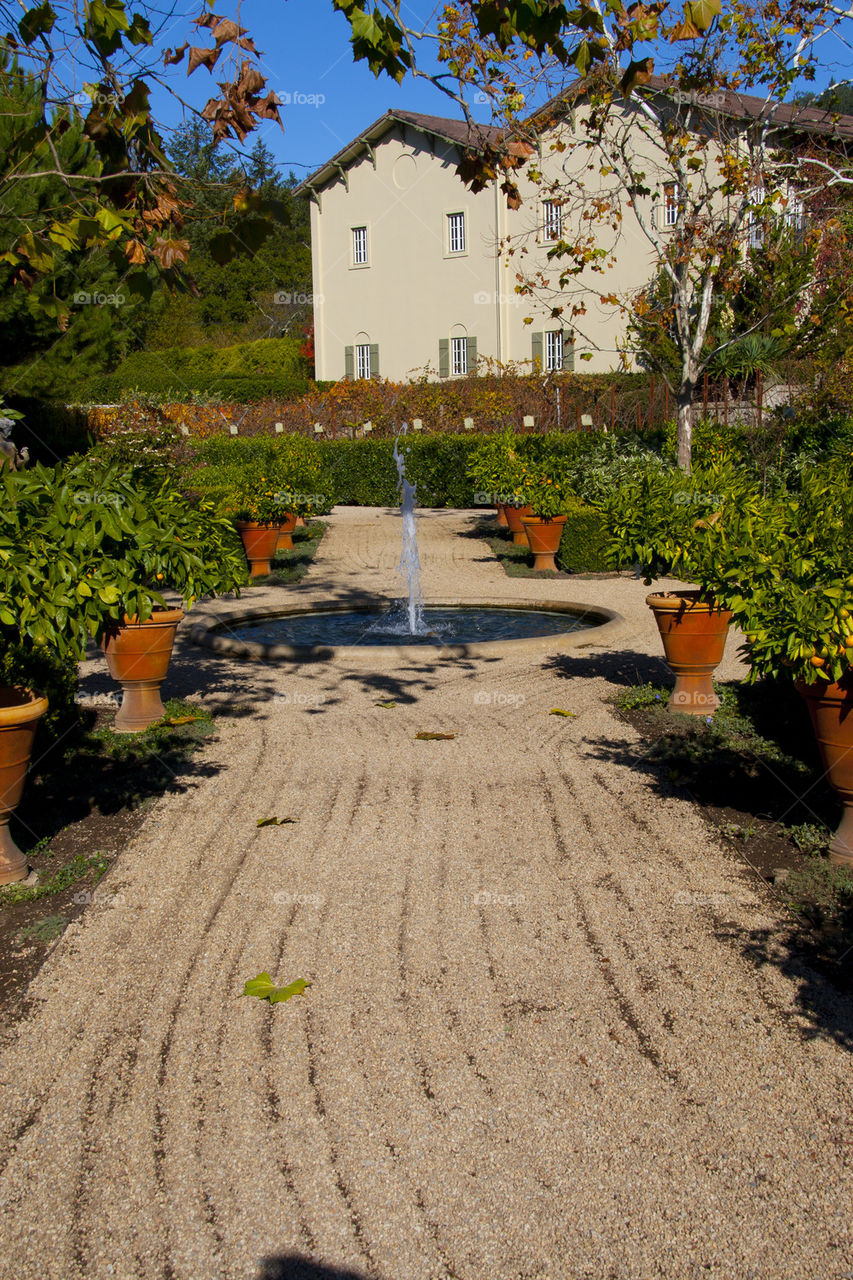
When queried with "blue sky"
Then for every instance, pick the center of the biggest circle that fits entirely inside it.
(307, 55)
(307, 59)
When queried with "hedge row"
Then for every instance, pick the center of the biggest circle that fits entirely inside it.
(583, 546)
(245, 372)
(166, 384)
(363, 473)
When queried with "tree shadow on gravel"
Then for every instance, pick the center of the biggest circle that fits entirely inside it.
(757, 760)
(297, 1267)
(824, 996)
(81, 776)
(620, 667)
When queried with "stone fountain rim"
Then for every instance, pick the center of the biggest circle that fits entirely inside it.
(207, 631)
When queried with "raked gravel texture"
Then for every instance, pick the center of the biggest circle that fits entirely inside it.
(552, 1032)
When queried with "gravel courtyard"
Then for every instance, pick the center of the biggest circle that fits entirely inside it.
(550, 1031)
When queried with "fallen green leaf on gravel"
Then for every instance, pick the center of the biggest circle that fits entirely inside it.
(275, 822)
(434, 737)
(173, 720)
(558, 711)
(263, 988)
(387, 705)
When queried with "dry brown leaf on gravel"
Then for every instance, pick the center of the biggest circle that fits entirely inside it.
(275, 822)
(434, 737)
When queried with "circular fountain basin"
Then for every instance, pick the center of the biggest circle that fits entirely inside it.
(369, 630)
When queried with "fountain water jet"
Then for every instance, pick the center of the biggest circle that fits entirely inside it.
(407, 629)
(410, 563)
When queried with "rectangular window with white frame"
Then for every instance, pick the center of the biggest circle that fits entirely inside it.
(552, 220)
(669, 213)
(458, 355)
(755, 229)
(362, 360)
(554, 350)
(456, 235)
(794, 216)
(359, 246)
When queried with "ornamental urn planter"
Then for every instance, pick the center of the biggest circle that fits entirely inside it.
(544, 539)
(513, 520)
(285, 527)
(694, 633)
(260, 542)
(831, 711)
(138, 656)
(501, 516)
(20, 712)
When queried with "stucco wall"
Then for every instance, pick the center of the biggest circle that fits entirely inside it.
(413, 293)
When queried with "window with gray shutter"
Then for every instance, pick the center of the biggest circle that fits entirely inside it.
(444, 357)
(374, 360)
(349, 363)
(458, 356)
(553, 349)
(537, 342)
(362, 360)
(568, 354)
(472, 355)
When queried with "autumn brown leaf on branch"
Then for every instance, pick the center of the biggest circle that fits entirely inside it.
(172, 57)
(135, 252)
(205, 57)
(250, 82)
(267, 108)
(227, 30)
(168, 252)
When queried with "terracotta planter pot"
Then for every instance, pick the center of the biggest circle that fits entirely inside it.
(20, 712)
(285, 528)
(516, 528)
(502, 520)
(544, 538)
(694, 640)
(831, 710)
(260, 542)
(138, 656)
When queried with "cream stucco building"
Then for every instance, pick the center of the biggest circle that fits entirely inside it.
(411, 269)
(407, 273)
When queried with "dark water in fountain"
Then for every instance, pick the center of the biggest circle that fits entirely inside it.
(464, 624)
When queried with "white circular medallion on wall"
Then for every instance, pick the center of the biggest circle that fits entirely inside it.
(405, 171)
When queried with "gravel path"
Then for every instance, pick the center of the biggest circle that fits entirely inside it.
(553, 1031)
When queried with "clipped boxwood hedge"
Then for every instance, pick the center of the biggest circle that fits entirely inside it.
(245, 372)
(165, 384)
(584, 540)
(363, 473)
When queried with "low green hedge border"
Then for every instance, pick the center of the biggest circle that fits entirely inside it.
(583, 546)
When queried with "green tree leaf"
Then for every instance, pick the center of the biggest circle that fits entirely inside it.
(263, 988)
(36, 22)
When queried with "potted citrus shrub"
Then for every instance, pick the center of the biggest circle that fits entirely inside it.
(658, 520)
(89, 553)
(21, 709)
(781, 566)
(302, 479)
(546, 501)
(261, 519)
(496, 473)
